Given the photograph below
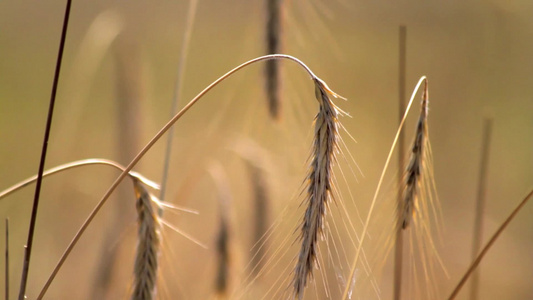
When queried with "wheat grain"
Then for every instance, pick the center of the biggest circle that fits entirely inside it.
(146, 258)
(412, 178)
(319, 188)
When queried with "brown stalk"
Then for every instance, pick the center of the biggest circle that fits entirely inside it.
(33, 219)
(480, 204)
(398, 245)
(489, 244)
(6, 271)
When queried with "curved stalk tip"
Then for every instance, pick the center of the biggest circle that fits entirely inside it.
(149, 145)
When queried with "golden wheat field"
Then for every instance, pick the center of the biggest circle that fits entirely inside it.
(274, 185)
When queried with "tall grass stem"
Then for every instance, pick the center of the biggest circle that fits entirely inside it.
(33, 219)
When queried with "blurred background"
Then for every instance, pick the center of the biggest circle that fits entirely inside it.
(115, 92)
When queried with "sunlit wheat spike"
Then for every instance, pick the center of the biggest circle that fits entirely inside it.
(319, 185)
(414, 170)
(273, 46)
(146, 258)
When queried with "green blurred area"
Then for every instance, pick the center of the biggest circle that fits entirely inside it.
(476, 55)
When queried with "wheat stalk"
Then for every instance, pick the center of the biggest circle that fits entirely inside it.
(348, 287)
(146, 258)
(319, 188)
(148, 146)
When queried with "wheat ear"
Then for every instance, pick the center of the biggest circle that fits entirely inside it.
(348, 287)
(413, 173)
(146, 258)
(319, 185)
(273, 45)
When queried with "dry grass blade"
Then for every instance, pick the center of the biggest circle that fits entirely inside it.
(146, 258)
(319, 185)
(412, 178)
(273, 45)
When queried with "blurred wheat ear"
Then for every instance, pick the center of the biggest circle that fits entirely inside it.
(223, 280)
(319, 185)
(273, 41)
(146, 258)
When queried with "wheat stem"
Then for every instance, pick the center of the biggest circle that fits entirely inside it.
(489, 244)
(6, 269)
(177, 94)
(148, 146)
(398, 245)
(480, 203)
(33, 218)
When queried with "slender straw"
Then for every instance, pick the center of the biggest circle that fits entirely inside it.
(33, 219)
(476, 262)
(398, 246)
(7, 261)
(380, 182)
(480, 203)
(148, 146)
(177, 95)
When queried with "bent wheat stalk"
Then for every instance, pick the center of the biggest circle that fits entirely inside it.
(348, 286)
(148, 146)
(319, 188)
(77, 164)
(146, 258)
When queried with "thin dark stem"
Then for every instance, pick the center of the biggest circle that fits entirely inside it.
(493, 239)
(177, 94)
(398, 246)
(31, 231)
(480, 203)
(7, 260)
